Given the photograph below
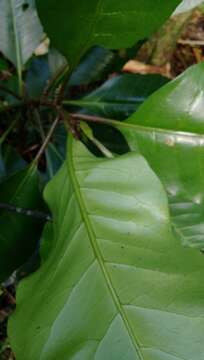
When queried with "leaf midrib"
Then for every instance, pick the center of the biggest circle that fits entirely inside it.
(136, 127)
(17, 45)
(96, 249)
(99, 103)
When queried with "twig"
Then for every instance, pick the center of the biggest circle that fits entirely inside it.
(47, 139)
(54, 81)
(35, 103)
(94, 119)
(66, 74)
(10, 298)
(89, 134)
(42, 134)
(26, 212)
(191, 42)
(39, 124)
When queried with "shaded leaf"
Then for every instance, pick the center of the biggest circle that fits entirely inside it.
(10, 161)
(92, 66)
(37, 76)
(109, 24)
(114, 284)
(120, 96)
(42, 70)
(56, 62)
(19, 234)
(3, 65)
(55, 158)
(12, 85)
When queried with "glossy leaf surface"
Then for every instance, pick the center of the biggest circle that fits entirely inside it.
(92, 67)
(19, 234)
(113, 24)
(120, 96)
(169, 133)
(115, 283)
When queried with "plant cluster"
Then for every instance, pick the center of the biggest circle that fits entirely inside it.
(106, 214)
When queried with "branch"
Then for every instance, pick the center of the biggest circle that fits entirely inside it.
(191, 42)
(47, 139)
(95, 119)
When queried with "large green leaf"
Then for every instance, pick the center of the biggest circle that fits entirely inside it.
(168, 130)
(120, 96)
(115, 24)
(20, 30)
(115, 283)
(19, 234)
(176, 106)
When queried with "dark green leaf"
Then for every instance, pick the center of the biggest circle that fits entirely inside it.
(113, 24)
(92, 67)
(3, 65)
(11, 84)
(37, 76)
(10, 161)
(120, 96)
(55, 158)
(42, 70)
(19, 234)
